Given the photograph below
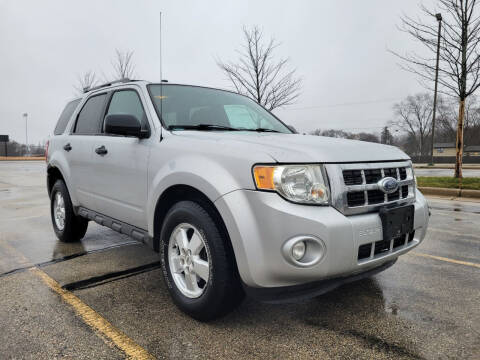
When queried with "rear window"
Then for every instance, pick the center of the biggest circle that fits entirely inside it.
(65, 117)
(91, 115)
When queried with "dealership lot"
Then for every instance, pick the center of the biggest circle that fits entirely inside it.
(104, 297)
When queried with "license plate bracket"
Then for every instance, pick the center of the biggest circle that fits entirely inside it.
(397, 221)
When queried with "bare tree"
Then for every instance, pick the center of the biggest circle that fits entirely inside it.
(447, 120)
(362, 136)
(459, 55)
(259, 76)
(86, 81)
(414, 115)
(123, 65)
(339, 134)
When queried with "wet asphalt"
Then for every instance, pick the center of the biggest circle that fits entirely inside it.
(421, 308)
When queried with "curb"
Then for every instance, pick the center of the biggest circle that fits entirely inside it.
(21, 158)
(450, 192)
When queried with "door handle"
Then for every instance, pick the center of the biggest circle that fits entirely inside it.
(67, 147)
(101, 150)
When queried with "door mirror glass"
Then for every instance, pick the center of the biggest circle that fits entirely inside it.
(123, 124)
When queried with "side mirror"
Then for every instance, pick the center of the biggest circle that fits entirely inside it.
(124, 124)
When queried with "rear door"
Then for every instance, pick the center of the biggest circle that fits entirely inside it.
(120, 173)
(79, 147)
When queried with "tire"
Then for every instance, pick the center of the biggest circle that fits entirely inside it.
(220, 291)
(74, 227)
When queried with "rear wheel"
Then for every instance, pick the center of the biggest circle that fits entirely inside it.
(67, 226)
(198, 266)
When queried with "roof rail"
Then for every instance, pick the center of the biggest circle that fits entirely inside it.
(124, 80)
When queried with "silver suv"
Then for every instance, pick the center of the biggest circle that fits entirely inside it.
(233, 199)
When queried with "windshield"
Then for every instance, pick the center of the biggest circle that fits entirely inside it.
(187, 107)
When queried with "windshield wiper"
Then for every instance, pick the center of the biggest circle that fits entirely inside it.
(216, 127)
(201, 127)
(261, 130)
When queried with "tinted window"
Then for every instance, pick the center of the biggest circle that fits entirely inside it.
(128, 102)
(90, 116)
(190, 105)
(65, 116)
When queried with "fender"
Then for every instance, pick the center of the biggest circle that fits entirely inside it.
(57, 160)
(200, 172)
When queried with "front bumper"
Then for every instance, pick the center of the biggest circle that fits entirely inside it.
(259, 224)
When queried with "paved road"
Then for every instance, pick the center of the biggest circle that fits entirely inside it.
(426, 306)
(446, 172)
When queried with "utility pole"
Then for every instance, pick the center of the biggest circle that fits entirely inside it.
(25, 115)
(439, 19)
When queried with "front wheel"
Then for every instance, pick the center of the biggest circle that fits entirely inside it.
(67, 226)
(198, 266)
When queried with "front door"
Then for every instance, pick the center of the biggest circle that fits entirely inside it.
(121, 164)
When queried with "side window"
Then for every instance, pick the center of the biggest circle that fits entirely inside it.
(128, 102)
(65, 117)
(90, 117)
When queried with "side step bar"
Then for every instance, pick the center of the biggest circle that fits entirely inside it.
(117, 225)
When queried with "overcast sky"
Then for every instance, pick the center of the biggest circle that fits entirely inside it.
(339, 48)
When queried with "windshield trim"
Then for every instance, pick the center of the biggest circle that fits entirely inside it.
(165, 127)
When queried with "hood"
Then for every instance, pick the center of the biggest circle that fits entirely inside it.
(296, 148)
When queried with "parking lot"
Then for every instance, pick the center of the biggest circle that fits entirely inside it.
(104, 297)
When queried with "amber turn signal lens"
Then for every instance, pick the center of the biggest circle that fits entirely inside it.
(264, 177)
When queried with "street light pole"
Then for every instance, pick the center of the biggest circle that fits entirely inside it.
(25, 115)
(439, 19)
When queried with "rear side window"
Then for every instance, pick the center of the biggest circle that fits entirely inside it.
(65, 117)
(91, 115)
(127, 102)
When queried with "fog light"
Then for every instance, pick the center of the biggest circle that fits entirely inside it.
(298, 250)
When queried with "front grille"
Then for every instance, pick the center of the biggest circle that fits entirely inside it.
(384, 247)
(356, 198)
(355, 187)
(352, 177)
(394, 196)
(372, 176)
(376, 197)
(392, 172)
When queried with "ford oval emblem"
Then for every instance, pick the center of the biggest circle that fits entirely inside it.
(388, 185)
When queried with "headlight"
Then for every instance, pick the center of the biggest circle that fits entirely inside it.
(298, 183)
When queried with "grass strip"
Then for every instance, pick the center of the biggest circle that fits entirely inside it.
(448, 182)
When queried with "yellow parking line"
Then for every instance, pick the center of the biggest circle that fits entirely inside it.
(88, 315)
(95, 320)
(447, 259)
